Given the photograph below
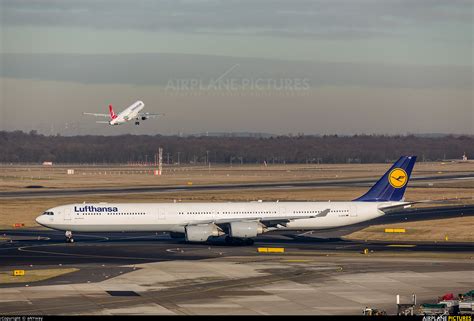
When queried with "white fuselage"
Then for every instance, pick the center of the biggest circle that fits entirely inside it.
(173, 217)
(129, 113)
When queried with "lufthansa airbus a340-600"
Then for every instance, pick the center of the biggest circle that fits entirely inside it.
(239, 221)
(132, 112)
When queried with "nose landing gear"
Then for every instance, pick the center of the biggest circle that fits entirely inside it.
(69, 238)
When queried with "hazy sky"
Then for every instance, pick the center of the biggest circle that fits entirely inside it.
(335, 66)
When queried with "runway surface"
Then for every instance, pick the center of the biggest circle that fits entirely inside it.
(166, 189)
(135, 248)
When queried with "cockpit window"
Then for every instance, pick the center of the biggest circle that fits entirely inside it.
(48, 213)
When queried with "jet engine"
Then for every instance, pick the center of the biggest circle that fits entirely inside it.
(245, 229)
(201, 233)
(144, 118)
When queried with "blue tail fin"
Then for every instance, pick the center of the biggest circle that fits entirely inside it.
(392, 185)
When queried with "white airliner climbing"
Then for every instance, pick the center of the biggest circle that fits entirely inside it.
(242, 221)
(130, 113)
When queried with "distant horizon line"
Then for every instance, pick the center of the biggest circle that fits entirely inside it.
(249, 134)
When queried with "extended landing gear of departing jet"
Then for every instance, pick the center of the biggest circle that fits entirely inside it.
(69, 238)
(238, 241)
(137, 123)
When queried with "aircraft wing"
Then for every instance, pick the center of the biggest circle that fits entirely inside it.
(97, 115)
(267, 221)
(275, 221)
(149, 115)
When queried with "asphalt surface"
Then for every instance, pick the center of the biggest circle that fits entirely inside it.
(142, 248)
(243, 285)
(38, 192)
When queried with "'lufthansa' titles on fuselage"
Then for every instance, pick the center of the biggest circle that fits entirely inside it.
(90, 208)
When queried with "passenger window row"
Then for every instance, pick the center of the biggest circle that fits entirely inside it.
(244, 212)
(111, 213)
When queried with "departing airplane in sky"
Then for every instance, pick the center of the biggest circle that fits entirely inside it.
(240, 221)
(130, 113)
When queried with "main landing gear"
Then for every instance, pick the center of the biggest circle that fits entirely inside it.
(69, 238)
(137, 123)
(238, 241)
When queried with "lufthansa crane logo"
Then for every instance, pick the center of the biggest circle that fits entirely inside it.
(398, 178)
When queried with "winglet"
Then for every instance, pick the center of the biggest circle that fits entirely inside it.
(111, 111)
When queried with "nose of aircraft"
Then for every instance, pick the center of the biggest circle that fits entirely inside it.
(40, 220)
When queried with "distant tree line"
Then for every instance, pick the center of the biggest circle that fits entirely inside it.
(21, 147)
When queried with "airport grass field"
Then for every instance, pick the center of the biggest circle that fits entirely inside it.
(24, 210)
(14, 177)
